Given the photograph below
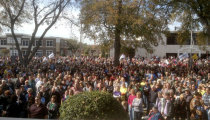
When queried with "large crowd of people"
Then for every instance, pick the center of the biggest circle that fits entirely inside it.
(159, 88)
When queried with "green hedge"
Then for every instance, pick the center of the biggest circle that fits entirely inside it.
(92, 105)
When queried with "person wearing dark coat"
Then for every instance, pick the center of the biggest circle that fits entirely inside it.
(180, 108)
(5, 99)
(21, 101)
(19, 83)
(13, 109)
(188, 98)
(152, 98)
(57, 94)
(4, 86)
(45, 95)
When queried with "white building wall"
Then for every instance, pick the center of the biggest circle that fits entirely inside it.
(112, 52)
(162, 49)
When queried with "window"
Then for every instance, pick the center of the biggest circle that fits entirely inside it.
(25, 42)
(39, 53)
(37, 42)
(11, 40)
(3, 42)
(171, 55)
(188, 40)
(48, 52)
(13, 52)
(24, 52)
(49, 43)
(171, 39)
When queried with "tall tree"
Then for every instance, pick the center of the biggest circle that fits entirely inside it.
(105, 47)
(38, 12)
(193, 15)
(123, 20)
(73, 46)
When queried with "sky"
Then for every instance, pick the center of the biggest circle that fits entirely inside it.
(65, 30)
(62, 28)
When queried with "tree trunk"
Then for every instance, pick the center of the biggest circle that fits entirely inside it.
(117, 48)
(117, 35)
(208, 33)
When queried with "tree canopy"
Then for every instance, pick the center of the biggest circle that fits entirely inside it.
(193, 15)
(123, 20)
(73, 45)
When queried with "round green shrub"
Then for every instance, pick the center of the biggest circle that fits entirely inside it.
(92, 106)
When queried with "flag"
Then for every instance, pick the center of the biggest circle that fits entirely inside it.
(51, 55)
(122, 56)
(44, 59)
(183, 56)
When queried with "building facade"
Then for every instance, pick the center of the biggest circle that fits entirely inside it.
(48, 45)
(170, 47)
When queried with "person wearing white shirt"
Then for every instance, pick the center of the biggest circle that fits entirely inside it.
(137, 106)
(38, 84)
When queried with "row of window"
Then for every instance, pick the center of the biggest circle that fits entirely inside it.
(39, 53)
(172, 39)
(49, 43)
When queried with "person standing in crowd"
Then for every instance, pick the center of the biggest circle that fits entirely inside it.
(188, 98)
(4, 86)
(57, 94)
(11, 85)
(206, 100)
(12, 109)
(117, 93)
(26, 86)
(38, 110)
(158, 101)
(32, 83)
(68, 76)
(137, 106)
(45, 95)
(29, 94)
(19, 82)
(152, 98)
(6, 97)
(123, 91)
(155, 114)
(196, 108)
(146, 89)
(168, 107)
(52, 108)
(21, 101)
(131, 97)
(180, 108)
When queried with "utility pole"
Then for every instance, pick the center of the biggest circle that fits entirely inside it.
(80, 39)
(207, 50)
(191, 45)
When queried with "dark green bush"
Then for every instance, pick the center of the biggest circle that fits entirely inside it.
(92, 106)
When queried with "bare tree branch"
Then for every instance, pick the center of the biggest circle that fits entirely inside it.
(20, 11)
(60, 9)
